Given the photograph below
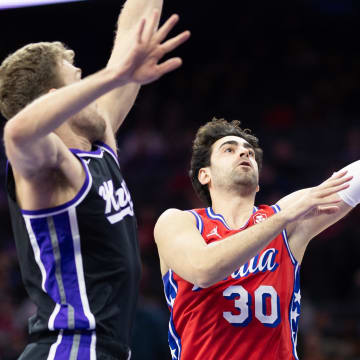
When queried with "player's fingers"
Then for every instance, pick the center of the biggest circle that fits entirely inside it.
(333, 190)
(339, 174)
(335, 175)
(152, 25)
(140, 31)
(176, 41)
(163, 32)
(337, 181)
(169, 65)
(328, 209)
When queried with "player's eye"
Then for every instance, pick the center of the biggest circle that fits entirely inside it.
(229, 149)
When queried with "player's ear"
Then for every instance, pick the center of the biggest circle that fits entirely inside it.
(258, 188)
(204, 176)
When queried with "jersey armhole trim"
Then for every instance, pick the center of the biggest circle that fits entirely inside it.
(74, 202)
(199, 221)
(109, 150)
(277, 209)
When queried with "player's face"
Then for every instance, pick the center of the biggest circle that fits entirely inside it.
(233, 164)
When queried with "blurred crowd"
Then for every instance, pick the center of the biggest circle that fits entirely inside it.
(291, 74)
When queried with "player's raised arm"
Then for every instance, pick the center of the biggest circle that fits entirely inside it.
(182, 248)
(116, 105)
(29, 139)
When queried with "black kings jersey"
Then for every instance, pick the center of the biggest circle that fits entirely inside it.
(80, 261)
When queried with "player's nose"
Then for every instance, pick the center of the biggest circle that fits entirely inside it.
(244, 152)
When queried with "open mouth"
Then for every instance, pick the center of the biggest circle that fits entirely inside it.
(245, 163)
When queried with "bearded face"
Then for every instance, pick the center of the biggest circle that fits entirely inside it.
(233, 166)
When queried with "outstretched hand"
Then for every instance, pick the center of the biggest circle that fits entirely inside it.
(141, 64)
(321, 199)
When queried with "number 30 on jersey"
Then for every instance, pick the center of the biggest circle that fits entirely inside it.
(266, 311)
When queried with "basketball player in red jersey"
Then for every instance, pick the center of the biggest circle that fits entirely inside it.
(231, 270)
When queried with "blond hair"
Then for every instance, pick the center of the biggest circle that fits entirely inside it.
(29, 73)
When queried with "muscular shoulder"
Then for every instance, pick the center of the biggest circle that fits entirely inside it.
(174, 233)
(52, 186)
(171, 218)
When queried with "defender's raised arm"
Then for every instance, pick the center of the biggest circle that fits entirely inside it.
(28, 135)
(116, 105)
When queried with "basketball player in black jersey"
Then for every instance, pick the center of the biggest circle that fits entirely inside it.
(71, 211)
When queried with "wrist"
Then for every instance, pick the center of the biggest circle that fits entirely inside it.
(285, 216)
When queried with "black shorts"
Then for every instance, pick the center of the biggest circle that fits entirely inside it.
(71, 347)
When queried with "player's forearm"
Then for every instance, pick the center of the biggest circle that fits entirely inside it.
(133, 11)
(117, 104)
(219, 259)
(50, 111)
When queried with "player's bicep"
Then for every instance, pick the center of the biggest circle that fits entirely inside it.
(29, 158)
(179, 243)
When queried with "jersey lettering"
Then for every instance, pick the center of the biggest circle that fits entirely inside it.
(265, 262)
(119, 201)
(243, 300)
(251, 314)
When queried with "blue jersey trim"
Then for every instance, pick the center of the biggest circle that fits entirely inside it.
(277, 209)
(211, 214)
(294, 323)
(170, 289)
(199, 221)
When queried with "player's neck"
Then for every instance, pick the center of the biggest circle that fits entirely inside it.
(235, 209)
(72, 140)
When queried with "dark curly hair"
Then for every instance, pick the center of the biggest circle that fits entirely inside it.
(206, 136)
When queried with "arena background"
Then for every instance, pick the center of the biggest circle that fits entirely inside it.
(289, 70)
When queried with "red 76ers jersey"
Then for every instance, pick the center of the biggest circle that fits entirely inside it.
(251, 315)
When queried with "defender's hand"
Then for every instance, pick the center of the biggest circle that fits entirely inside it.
(141, 65)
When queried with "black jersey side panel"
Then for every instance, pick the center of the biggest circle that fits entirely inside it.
(80, 262)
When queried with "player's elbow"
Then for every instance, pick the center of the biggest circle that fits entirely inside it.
(206, 274)
(13, 133)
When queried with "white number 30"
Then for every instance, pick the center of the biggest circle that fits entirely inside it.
(243, 300)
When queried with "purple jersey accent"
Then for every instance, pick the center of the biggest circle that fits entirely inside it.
(63, 350)
(40, 228)
(106, 147)
(85, 346)
(57, 254)
(69, 277)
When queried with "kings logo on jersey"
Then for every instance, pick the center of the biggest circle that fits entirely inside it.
(118, 201)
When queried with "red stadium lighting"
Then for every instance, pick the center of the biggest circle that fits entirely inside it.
(10, 4)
